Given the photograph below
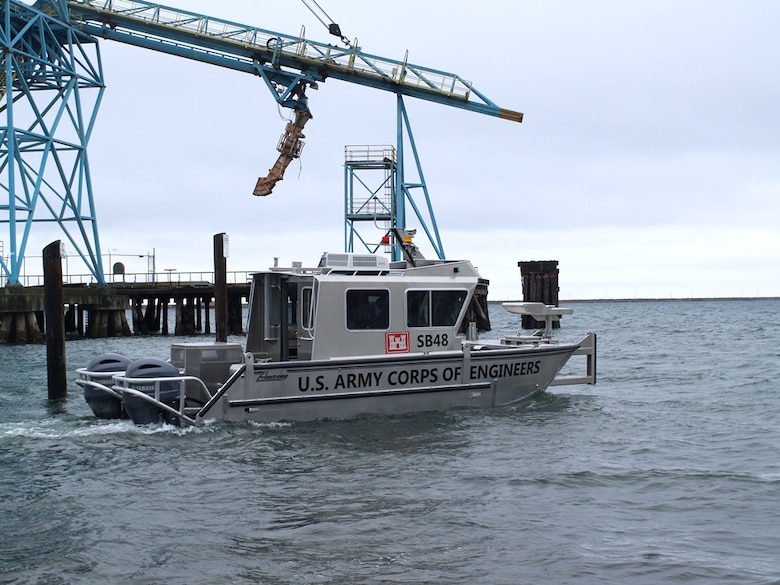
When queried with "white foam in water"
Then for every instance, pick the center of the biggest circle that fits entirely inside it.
(89, 427)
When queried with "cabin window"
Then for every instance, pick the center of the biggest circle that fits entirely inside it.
(307, 313)
(368, 309)
(292, 305)
(275, 314)
(434, 308)
(418, 308)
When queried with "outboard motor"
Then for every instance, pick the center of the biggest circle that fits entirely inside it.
(102, 403)
(142, 411)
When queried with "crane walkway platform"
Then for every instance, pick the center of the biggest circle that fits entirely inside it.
(242, 47)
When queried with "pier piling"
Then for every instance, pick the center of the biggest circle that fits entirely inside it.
(53, 302)
(220, 287)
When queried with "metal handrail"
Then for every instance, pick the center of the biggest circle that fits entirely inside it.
(179, 413)
(197, 26)
(83, 382)
(233, 277)
(224, 388)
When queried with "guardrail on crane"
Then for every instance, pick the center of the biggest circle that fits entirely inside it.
(242, 47)
(288, 64)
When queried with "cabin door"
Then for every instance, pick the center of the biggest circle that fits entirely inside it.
(268, 336)
(304, 326)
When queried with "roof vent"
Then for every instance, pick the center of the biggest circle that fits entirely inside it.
(356, 261)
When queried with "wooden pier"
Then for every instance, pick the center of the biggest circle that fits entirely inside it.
(103, 311)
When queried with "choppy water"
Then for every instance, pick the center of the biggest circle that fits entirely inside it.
(666, 471)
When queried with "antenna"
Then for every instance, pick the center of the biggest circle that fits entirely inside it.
(327, 21)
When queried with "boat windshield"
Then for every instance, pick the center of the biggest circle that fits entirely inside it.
(434, 308)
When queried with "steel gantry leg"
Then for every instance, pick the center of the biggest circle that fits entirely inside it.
(425, 216)
(51, 85)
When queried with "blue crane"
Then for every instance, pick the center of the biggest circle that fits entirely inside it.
(57, 39)
(285, 62)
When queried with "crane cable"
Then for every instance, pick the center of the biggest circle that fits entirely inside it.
(332, 27)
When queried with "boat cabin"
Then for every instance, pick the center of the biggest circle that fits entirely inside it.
(358, 305)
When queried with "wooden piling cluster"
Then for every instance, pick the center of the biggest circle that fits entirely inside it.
(477, 311)
(94, 312)
(540, 285)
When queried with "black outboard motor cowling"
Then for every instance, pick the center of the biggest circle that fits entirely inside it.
(102, 403)
(144, 412)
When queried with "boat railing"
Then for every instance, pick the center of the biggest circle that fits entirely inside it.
(159, 404)
(588, 350)
(127, 385)
(550, 314)
(237, 373)
(97, 385)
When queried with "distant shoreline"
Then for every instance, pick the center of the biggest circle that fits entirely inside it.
(651, 299)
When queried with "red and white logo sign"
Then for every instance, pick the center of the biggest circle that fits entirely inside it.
(397, 342)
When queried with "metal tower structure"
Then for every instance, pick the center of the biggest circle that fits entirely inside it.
(370, 174)
(51, 84)
(289, 65)
(377, 189)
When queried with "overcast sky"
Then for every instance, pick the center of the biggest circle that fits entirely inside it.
(648, 163)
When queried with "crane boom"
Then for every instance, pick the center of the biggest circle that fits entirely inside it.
(286, 63)
(246, 48)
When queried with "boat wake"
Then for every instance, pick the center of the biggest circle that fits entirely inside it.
(71, 427)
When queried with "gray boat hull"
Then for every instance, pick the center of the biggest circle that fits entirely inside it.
(479, 378)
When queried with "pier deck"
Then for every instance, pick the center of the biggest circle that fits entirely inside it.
(102, 311)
